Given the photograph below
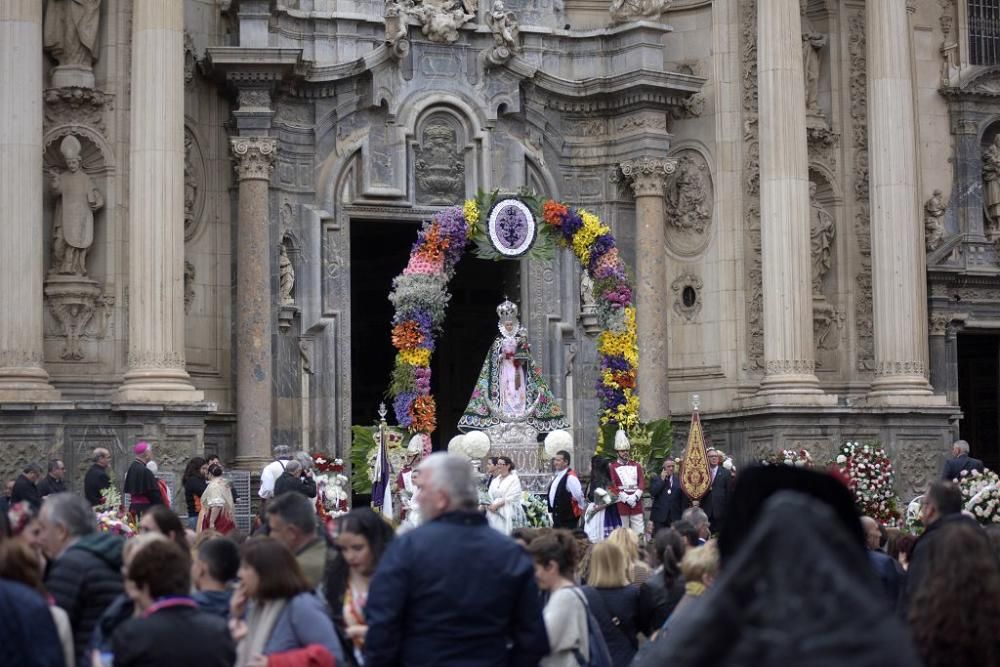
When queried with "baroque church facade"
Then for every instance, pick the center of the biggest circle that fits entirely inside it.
(205, 202)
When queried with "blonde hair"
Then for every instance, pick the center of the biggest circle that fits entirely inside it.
(626, 540)
(701, 562)
(608, 567)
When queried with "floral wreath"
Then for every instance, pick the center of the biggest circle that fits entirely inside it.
(420, 297)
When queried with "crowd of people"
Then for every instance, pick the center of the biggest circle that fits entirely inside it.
(777, 569)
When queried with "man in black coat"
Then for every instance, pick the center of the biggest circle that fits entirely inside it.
(715, 501)
(295, 479)
(54, 481)
(140, 482)
(668, 499)
(96, 481)
(85, 566)
(171, 630)
(25, 488)
(960, 461)
(565, 495)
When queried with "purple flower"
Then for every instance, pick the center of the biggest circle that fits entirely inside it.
(601, 245)
(401, 407)
(615, 363)
(422, 380)
(453, 228)
(572, 222)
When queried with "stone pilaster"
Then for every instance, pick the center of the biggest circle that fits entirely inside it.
(648, 177)
(22, 377)
(789, 355)
(156, 369)
(254, 162)
(898, 256)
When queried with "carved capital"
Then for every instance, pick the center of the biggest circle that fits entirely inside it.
(254, 157)
(646, 175)
(939, 324)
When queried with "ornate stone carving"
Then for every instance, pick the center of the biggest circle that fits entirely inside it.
(939, 323)
(822, 232)
(506, 34)
(646, 175)
(439, 165)
(826, 320)
(305, 356)
(812, 43)
(689, 205)
(991, 188)
(254, 99)
(156, 360)
(690, 107)
(949, 45)
(75, 106)
(395, 29)
(72, 300)
(286, 276)
(189, 276)
(190, 59)
(623, 11)
(791, 367)
(73, 222)
(194, 196)
(917, 464)
(70, 38)
(934, 210)
(751, 189)
(440, 20)
(254, 157)
(687, 296)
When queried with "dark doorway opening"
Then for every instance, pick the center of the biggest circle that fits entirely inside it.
(379, 252)
(979, 395)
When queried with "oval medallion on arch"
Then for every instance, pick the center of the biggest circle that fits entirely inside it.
(690, 200)
(512, 227)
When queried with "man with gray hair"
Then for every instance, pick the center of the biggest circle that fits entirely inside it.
(696, 517)
(960, 462)
(453, 591)
(291, 519)
(273, 470)
(85, 575)
(97, 481)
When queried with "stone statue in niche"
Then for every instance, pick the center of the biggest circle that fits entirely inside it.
(503, 25)
(812, 42)
(439, 166)
(934, 210)
(70, 37)
(687, 197)
(991, 191)
(286, 275)
(822, 230)
(73, 222)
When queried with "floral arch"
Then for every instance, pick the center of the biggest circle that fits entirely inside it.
(420, 297)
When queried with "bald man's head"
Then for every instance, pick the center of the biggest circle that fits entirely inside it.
(872, 534)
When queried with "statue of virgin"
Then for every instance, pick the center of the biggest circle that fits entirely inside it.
(510, 388)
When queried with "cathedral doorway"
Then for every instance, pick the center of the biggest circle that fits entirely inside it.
(379, 251)
(979, 395)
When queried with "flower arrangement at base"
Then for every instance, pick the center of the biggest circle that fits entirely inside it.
(981, 495)
(112, 516)
(536, 511)
(323, 464)
(332, 495)
(912, 522)
(799, 458)
(870, 477)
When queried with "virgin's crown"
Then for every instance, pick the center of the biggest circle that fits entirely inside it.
(507, 310)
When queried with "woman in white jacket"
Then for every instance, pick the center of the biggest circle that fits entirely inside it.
(505, 512)
(565, 613)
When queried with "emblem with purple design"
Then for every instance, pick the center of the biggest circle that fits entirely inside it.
(512, 227)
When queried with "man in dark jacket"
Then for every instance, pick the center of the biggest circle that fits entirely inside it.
(96, 481)
(565, 494)
(140, 482)
(85, 572)
(54, 481)
(422, 607)
(295, 479)
(888, 571)
(214, 565)
(715, 501)
(668, 499)
(171, 630)
(960, 461)
(25, 488)
(28, 636)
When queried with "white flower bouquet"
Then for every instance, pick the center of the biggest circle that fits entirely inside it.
(536, 511)
(981, 495)
(869, 475)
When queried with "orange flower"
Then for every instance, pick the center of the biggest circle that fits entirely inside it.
(625, 380)
(424, 415)
(406, 335)
(553, 211)
(433, 247)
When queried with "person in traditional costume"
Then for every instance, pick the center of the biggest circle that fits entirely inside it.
(565, 494)
(510, 387)
(601, 517)
(218, 510)
(140, 482)
(405, 482)
(505, 512)
(628, 482)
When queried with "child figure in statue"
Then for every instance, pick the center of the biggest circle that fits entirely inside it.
(510, 388)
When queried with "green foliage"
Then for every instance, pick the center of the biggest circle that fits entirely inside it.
(651, 443)
(402, 380)
(544, 247)
(362, 444)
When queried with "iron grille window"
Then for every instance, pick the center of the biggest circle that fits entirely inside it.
(984, 32)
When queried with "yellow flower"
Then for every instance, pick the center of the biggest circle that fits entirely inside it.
(585, 236)
(415, 357)
(470, 211)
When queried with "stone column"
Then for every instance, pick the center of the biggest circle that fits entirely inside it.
(254, 163)
(789, 354)
(156, 370)
(898, 254)
(648, 177)
(22, 377)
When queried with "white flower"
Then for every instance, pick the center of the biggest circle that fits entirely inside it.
(841, 460)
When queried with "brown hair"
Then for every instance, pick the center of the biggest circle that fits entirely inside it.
(608, 566)
(19, 562)
(280, 575)
(557, 547)
(162, 566)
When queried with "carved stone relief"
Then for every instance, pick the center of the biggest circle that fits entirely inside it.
(439, 164)
(812, 44)
(77, 199)
(687, 296)
(75, 106)
(623, 11)
(751, 190)
(689, 205)
(991, 188)
(189, 276)
(934, 210)
(194, 193)
(190, 59)
(822, 231)
(506, 34)
(440, 20)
